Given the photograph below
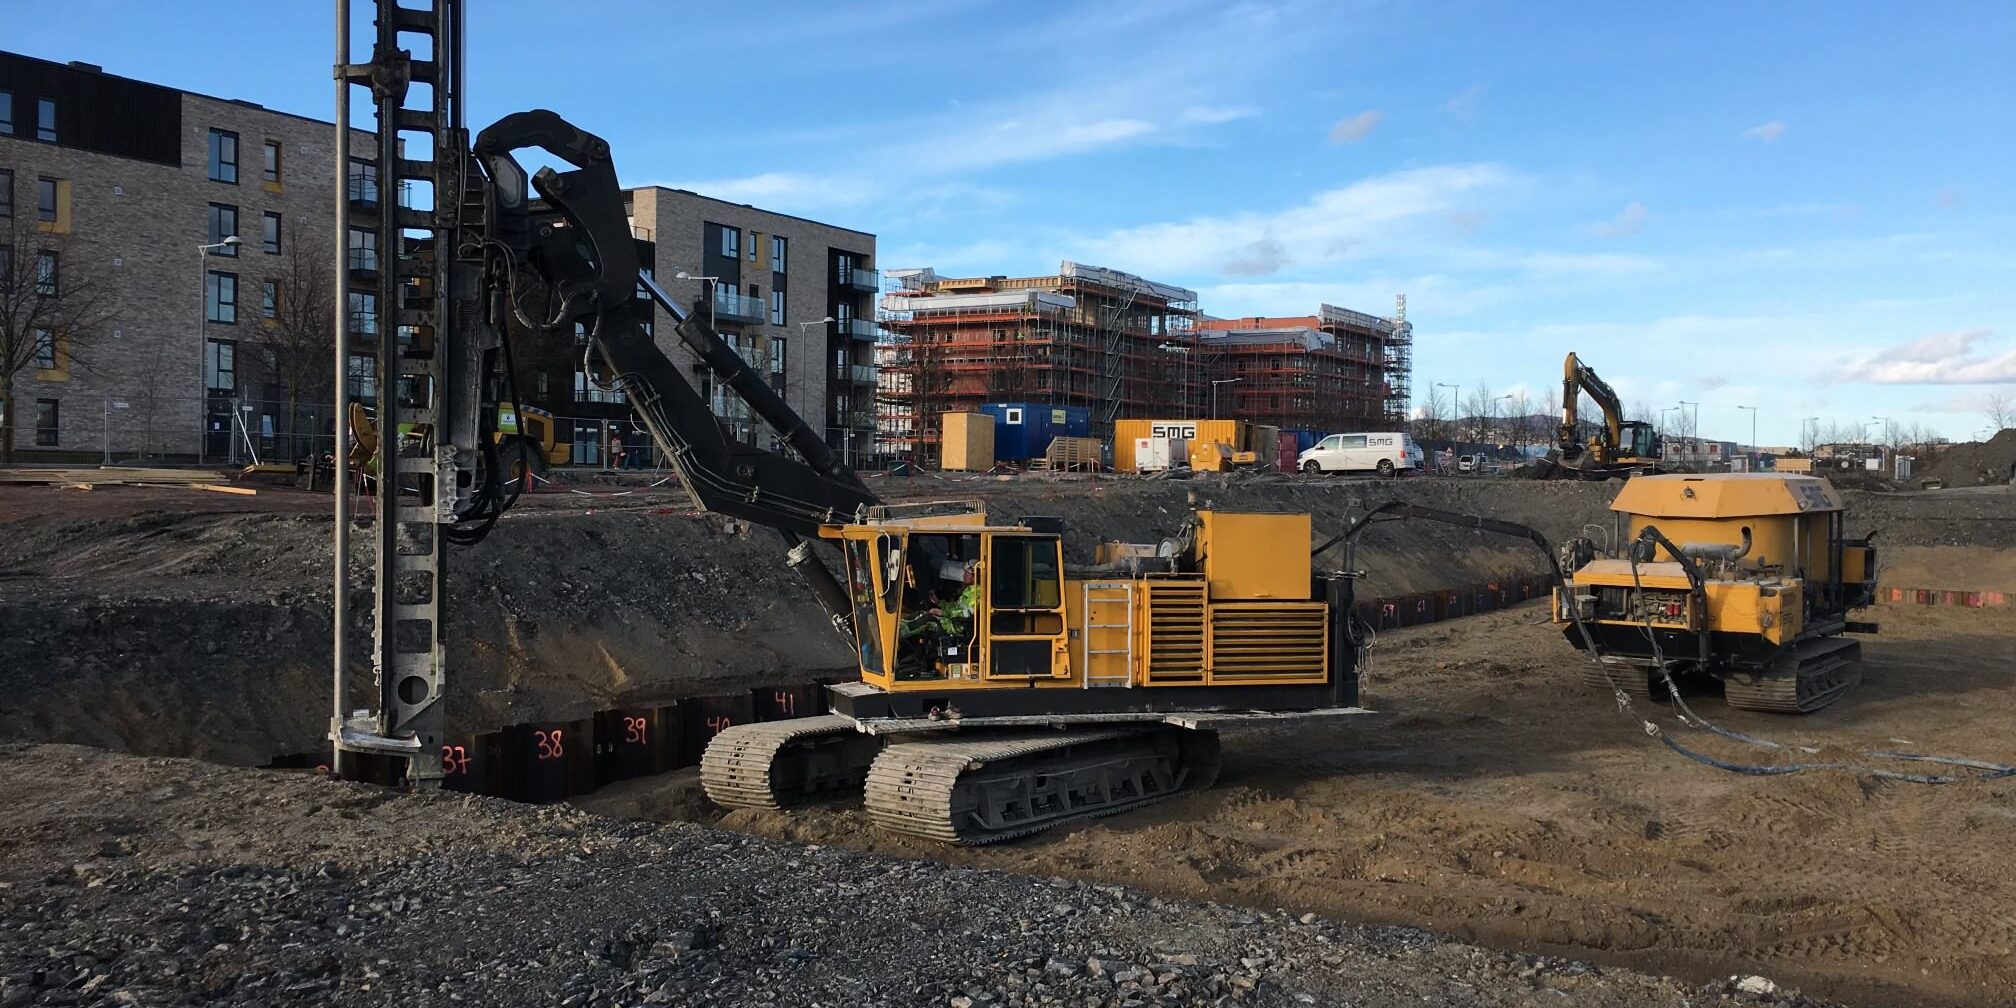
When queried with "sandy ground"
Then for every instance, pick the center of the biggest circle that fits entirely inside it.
(1497, 802)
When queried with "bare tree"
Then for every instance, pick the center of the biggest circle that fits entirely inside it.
(1519, 418)
(52, 310)
(295, 340)
(1433, 424)
(2000, 409)
(1477, 412)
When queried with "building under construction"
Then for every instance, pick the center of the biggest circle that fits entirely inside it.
(1336, 370)
(1115, 343)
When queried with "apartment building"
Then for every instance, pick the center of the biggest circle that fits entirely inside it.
(1335, 370)
(132, 193)
(1116, 343)
(795, 296)
(168, 221)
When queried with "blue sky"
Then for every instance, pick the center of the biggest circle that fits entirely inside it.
(1801, 206)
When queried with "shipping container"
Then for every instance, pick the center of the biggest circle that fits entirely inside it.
(1288, 447)
(1305, 439)
(1022, 431)
(968, 442)
(1204, 437)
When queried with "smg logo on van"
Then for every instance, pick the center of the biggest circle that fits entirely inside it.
(1184, 431)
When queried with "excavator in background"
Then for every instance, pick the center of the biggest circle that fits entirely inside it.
(1745, 578)
(1619, 448)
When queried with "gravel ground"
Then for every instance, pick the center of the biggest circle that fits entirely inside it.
(148, 881)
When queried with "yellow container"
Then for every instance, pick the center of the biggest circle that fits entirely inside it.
(968, 442)
(1204, 436)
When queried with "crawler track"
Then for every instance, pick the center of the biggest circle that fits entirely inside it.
(984, 790)
(778, 764)
(1812, 676)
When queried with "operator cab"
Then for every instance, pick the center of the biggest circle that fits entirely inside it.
(932, 604)
(1638, 440)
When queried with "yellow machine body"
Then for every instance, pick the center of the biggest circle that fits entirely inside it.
(1241, 618)
(1776, 576)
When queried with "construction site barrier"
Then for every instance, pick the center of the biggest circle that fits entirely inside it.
(1934, 596)
(550, 761)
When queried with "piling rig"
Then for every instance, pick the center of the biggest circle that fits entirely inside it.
(1001, 691)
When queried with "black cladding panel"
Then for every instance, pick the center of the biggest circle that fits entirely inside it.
(95, 111)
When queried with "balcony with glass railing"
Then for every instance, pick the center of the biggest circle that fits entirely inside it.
(859, 328)
(861, 279)
(732, 307)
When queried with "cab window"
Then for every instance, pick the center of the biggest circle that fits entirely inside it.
(1024, 573)
(861, 590)
(1331, 442)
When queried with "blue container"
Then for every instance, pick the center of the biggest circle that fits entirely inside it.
(1023, 430)
(1305, 439)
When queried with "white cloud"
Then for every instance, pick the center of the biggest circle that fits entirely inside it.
(1464, 105)
(1334, 225)
(1357, 127)
(1258, 259)
(1942, 358)
(1211, 115)
(780, 190)
(1629, 221)
(1766, 132)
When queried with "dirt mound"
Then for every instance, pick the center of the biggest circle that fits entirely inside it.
(1503, 803)
(1974, 463)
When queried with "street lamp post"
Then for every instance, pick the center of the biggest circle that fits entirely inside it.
(1495, 400)
(846, 435)
(1884, 420)
(203, 336)
(1754, 456)
(1182, 373)
(713, 284)
(1215, 382)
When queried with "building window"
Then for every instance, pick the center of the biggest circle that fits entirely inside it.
(223, 156)
(45, 350)
(45, 120)
(45, 199)
(363, 251)
(363, 182)
(363, 312)
(776, 307)
(6, 192)
(271, 171)
(362, 380)
(45, 423)
(220, 298)
(6, 113)
(269, 236)
(220, 365)
(778, 248)
(223, 224)
(269, 299)
(731, 242)
(46, 273)
(777, 349)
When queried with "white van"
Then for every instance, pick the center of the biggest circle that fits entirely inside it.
(1386, 454)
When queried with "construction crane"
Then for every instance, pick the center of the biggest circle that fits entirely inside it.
(1001, 691)
(1619, 447)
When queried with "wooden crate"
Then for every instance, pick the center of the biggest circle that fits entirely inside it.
(968, 443)
(1072, 454)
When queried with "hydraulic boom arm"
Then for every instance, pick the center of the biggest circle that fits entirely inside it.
(1576, 379)
(587, 261)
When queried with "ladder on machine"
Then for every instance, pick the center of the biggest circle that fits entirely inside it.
(1101, 599)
